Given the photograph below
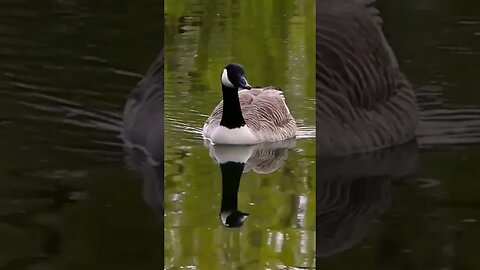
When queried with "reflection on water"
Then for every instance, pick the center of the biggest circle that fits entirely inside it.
(352, 193)
(257, 181)
(206, 202)
(235, 160)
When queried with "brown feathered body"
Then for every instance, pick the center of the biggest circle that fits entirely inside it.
(265, 113)
(364, 102)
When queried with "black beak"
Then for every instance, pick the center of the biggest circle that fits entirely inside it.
(244, 84)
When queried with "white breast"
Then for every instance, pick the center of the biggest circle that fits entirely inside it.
(242, 135)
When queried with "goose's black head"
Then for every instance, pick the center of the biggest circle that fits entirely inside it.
(233, 218)
(233, 77)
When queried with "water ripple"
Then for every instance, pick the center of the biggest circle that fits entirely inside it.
(444, 124)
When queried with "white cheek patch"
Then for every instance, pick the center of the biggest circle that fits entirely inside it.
(225, 80)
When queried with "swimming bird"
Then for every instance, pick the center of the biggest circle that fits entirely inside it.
(364, 101)
(248, 115)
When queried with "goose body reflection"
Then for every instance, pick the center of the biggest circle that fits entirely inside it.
(234, 160)
(353, 191)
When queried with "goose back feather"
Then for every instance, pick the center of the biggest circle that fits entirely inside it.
(364, 102)
(265, 113)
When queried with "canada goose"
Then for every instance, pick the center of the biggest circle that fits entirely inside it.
(364, 102)
(248, 116)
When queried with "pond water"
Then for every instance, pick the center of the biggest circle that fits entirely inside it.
(274, 41)
(67, 199)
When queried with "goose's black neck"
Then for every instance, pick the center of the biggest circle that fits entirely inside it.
(231, 175)
(232, 112)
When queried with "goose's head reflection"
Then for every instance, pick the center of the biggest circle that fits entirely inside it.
(234, 160)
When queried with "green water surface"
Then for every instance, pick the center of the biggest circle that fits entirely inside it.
(274, 41)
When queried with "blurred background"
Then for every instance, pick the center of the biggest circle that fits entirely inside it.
(415, 208)
(67, 199)
(274, 41)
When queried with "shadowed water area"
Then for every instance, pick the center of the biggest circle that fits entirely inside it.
(207, 197)
(414, 206)
(67, 199)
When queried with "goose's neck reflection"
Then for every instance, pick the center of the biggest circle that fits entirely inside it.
(229, 214)
(234, 160)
